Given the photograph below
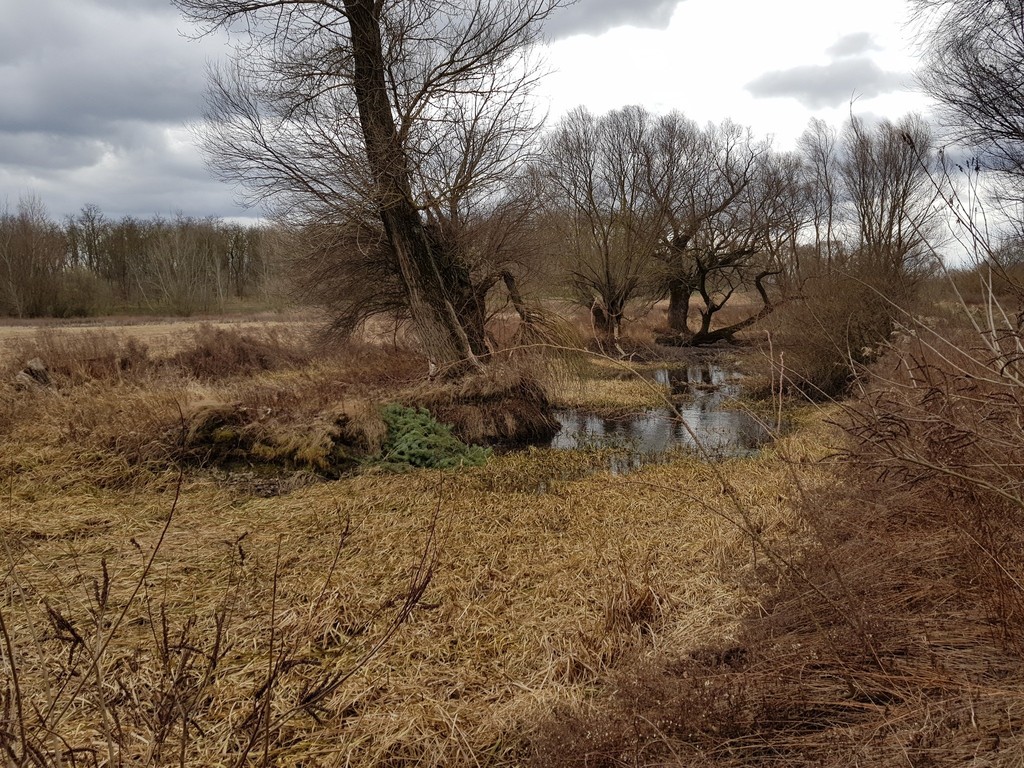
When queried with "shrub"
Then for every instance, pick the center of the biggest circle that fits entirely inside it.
(78, 356)
(220, 352)
(418, 439)
(80, 293)
(833, 330)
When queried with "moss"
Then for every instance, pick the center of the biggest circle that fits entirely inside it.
(224, 435)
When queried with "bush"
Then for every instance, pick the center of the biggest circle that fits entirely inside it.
(834, 329)
(80, 293)
(418, 439)
(220, 352)
(75, 357)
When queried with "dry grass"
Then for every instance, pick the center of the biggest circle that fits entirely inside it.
(166, 335)
(534, 598)
(896, 638)
(253, 635)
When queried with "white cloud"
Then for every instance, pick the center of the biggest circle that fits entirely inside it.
(853, 45)
(593, 17)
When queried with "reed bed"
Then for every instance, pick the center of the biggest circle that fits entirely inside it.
(534, 597)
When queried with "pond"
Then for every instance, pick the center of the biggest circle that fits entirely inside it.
(699, 393)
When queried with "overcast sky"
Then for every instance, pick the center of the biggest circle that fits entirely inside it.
(97, 95)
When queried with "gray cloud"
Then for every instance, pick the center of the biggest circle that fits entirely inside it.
(829, 85)
(592, 17)
(95, 94)
(142, 170)
(34, 152)
(853, 45)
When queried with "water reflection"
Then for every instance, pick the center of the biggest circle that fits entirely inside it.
(648, 436)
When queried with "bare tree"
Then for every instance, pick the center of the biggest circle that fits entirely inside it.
(682, 167)
(33, 257)
(597, 171)
(818, 147)
(87, 234)
(391, 125)
(749, 244)
(974, 67)
(886, 173)
(700, 179)
(186, 265)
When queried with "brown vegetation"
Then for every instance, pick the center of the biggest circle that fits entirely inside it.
(895, 638)
(159, 618)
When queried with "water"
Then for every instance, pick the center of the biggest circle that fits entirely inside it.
(652, 435)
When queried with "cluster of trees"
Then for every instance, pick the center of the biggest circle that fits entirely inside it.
(90, 263)
(397, 142)
(654, 207)
(396, 146)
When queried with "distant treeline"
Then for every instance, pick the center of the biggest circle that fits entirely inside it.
(89, 264)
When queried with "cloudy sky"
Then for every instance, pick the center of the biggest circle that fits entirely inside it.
(98, 95)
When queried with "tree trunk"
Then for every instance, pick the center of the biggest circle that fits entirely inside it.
(607, 322)
(438, 319)
(679, 306)
(706, 336)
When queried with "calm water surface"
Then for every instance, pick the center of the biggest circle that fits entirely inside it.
(646, 437)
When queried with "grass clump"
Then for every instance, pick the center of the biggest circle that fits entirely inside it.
(220, 352)
(76, 358)
(416, 438)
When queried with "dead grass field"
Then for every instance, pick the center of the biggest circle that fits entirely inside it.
(426, 618)
(535, 596)
(168, 335)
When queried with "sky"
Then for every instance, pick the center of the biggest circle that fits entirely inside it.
(98, 96)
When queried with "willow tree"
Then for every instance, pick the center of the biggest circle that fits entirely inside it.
(391, 129)
(596, 172)
(701, 179)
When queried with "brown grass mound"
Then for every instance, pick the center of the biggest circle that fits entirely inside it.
(499, 406)
(219, 352)
(128, 426)
(235, 436)
(81, 357)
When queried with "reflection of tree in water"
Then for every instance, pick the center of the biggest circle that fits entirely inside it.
(648, 435)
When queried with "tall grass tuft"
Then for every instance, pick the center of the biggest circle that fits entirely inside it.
(220, 352)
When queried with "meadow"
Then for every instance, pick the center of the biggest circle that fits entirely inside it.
(208, 563)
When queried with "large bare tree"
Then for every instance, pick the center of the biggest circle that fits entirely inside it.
(886, 172)
(597, 180)
(390, 128)
(702, 180)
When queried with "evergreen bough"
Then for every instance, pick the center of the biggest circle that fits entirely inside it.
(418, 439)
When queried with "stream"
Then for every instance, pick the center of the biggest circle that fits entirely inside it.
(700, 393)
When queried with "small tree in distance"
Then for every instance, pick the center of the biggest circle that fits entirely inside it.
(596, 182)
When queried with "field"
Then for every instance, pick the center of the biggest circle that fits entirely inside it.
(168, 606)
